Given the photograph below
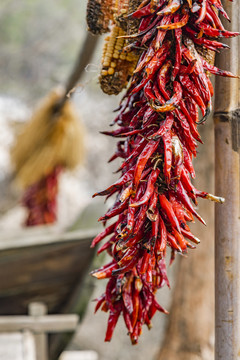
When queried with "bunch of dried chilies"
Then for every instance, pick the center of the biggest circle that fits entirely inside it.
(157, 119)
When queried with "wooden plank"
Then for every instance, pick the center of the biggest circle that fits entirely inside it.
(45, 239)
(39, 324)
(42, 273)
(36, 310)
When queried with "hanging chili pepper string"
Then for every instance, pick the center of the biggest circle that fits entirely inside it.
(157, 120)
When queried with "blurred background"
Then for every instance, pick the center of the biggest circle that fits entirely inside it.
(40, 41)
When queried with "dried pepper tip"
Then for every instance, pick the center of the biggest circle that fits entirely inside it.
(117, 64)
(218, 199)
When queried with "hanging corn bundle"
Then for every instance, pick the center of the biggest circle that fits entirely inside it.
(157, 123)
(51, 141)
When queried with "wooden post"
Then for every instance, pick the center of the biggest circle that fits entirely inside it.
(37, 309)
(227, 216)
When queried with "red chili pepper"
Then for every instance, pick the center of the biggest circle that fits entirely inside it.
(107, 245)
(176, 25)
(188, 185)
(105, 271)
(149, 190)
(191, 89)
(161, 33)
(167, 141)
(180, 239)
(172, 103)
(127, 267)
(168, 210)
(143, 11)
(148, 55)
(149, 273)
(165, 126)
(187, 70)
(128, 256)
(183, 197)
(210, 44)
(152, 206)
(128, 302)
(116, 209)
(149, 149)
(128, 176)
(178, 53)
(202, 13)
(109, 230)
(145, 261)
(163, 232)
(112, 322)
(179, 211)
(162, 78)
(140, 219)
(100, 301)
(216, 71)
(171, 8)
(218, 6)
(173, 243)
(189, 236)
(213, 32)
(187, 132)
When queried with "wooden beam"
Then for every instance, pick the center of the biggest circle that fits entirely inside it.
(37, 309)
(19, 240)
(227, 216)
(39, 324)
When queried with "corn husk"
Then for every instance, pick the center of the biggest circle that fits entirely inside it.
(48, 140)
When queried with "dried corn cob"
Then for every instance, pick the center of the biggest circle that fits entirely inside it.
(120, 10)
(117, 64)
(132, 23)
(99, 14)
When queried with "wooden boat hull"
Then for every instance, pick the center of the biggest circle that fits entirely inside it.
(46, 267)
(43, 272)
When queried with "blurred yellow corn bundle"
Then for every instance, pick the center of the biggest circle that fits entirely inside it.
(48, 140)
(117, 64)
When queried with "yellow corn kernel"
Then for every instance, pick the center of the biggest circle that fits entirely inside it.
(111, 71)
(117, 64)
(122, 57)
(104, 72)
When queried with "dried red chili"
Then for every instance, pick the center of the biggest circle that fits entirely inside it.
(158, 119)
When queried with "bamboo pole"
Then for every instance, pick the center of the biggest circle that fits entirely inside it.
(227, 216)
(83, 58)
